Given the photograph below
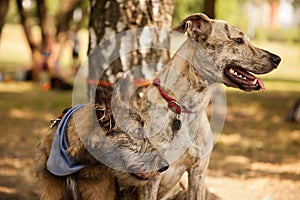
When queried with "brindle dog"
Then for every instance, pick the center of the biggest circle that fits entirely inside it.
(92, 129)
(214, 52)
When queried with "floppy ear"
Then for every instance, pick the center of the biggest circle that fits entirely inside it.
(197, 26)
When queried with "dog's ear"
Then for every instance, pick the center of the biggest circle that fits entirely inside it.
(102, 107)
(197, 26)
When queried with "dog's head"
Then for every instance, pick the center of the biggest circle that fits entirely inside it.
(125, 148)
(235, 58)
(137, 157)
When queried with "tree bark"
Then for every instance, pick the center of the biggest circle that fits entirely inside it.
(209, 8)
(109, 17)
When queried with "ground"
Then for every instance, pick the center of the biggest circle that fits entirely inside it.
(255, 157)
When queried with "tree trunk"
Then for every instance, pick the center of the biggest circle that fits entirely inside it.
(4, 4)
(26, 23)
(44, 23)
(209, 8)
(65, 15)
(110, 17)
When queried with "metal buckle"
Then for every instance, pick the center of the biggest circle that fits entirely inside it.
(174, 106)
(54, 122)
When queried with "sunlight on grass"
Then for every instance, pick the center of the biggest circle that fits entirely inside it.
(17, 113)
(237, 159)
(16, 87)
(271, 168)
(230, 139)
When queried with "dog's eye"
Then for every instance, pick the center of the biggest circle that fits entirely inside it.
(239, 40)
(137, 118)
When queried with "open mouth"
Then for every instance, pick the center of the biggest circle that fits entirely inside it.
(243, 79)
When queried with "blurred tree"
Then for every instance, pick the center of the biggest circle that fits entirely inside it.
(65, 14)
(71, 14)
(54, 27)
(27, 24)
(109, 17)
(3, 12)
(43, 20)
(209, 8)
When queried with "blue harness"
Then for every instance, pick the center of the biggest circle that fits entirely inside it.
(59, 162)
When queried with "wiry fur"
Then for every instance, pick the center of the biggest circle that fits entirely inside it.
(134, 155)
(212, 48)
(191, 71)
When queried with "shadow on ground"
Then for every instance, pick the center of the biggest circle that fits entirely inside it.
(257, 144)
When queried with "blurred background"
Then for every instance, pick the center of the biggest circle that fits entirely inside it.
(43, 43)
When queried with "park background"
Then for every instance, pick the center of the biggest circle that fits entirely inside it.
(257, 155)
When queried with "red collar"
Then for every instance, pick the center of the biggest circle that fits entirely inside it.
(172, 103)
(136, 82)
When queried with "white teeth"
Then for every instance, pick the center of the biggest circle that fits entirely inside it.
(241, 76)
(254, 82)
(237, 74)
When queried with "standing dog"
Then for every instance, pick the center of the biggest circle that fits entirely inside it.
(92, 136)
(175, 120)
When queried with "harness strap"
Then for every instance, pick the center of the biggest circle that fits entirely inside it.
(141, 82)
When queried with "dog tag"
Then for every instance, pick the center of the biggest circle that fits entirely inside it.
(177, 123)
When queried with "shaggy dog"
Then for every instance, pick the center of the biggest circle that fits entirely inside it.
(92, 136)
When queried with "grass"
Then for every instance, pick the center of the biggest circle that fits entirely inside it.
(25, 113)
(260, 119)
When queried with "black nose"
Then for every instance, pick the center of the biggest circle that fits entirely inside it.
(163, 166)
(275, 60)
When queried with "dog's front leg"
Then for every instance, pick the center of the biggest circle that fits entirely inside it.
(150, 189)
(196, 186)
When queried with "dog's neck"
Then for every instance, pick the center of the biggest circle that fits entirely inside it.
(184, 78)
(193, 62)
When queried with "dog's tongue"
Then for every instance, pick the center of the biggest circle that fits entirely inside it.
(261, 84)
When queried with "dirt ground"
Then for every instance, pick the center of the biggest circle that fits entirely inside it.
(256, 156)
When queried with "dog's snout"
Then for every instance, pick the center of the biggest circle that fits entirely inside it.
(275, 60)
(163, 166)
